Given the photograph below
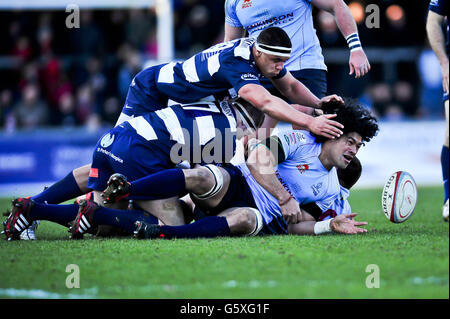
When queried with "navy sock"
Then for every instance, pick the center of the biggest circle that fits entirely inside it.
(445, 164)
(123, 219)
(63, 190)
(61, 214)
(208, 227)
(164, 184)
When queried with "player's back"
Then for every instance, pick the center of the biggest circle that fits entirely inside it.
(200, 132)
(212, 72)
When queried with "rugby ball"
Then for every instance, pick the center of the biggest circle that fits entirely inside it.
(399, 197)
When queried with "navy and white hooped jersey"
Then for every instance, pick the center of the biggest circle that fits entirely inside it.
(204, 132)
(293, 16)
(214, 71)
(301, 173)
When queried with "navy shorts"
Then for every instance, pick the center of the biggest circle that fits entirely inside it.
(240, 195)
(125, 152)
(314, 79)
(143, 95)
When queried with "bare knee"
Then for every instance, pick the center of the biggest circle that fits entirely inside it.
(242, 223)
(198, 180)
(81, 175)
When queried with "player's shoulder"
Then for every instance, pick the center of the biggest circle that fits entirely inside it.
(239, 49)
(296, 137)
(231, 4)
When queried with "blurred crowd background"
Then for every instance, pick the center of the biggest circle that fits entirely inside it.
(53, 76)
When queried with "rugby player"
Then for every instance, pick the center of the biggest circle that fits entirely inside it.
(306, 62)
(199, 133)
(236, 65)
(255, 197)
(437, 13)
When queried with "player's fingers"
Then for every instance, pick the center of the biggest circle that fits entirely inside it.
(330, 133)
(351, 68)
(327, 135)
(335, 125)
(334, 131)
(361, 223)
(363, 70)
(336, 98)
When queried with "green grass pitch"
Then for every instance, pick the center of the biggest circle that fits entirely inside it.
(412, 258)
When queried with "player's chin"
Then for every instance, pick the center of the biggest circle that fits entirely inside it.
(343, 163)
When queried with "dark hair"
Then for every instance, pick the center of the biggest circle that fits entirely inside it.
(353, 116)
(255, 114)
(351, 174)
(274, 36)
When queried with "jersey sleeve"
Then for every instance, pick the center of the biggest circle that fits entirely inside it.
(282, 73)
(439, 6)
(231, 17)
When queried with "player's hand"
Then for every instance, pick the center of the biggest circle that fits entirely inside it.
(291, 211)
(324, 126)
(330, 98)
(445, 77)
(358, 63)
(345, 224)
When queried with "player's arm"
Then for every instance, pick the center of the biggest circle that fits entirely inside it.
(261, 163)
(437, 42)
(298, 93)
(232, 33)
(342, 224)
(280, 110)
(358, 63)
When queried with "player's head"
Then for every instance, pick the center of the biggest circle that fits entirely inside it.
(359, 127)
(272, 49)
(248, 117)
(351, 174)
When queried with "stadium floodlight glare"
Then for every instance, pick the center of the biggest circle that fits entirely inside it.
(357, 11)
(164, 12)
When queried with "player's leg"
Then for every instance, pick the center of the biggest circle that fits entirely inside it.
(232, 222)
(71, 186)
(90, 215)
(25, 211)
(445, 164)
(207, 183)
(168, 211)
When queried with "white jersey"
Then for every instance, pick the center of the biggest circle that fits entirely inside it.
(301, 173)
(293, 16)
(339, 206)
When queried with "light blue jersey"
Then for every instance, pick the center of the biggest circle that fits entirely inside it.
(301, 173)
(339, 206)
(293, 16)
